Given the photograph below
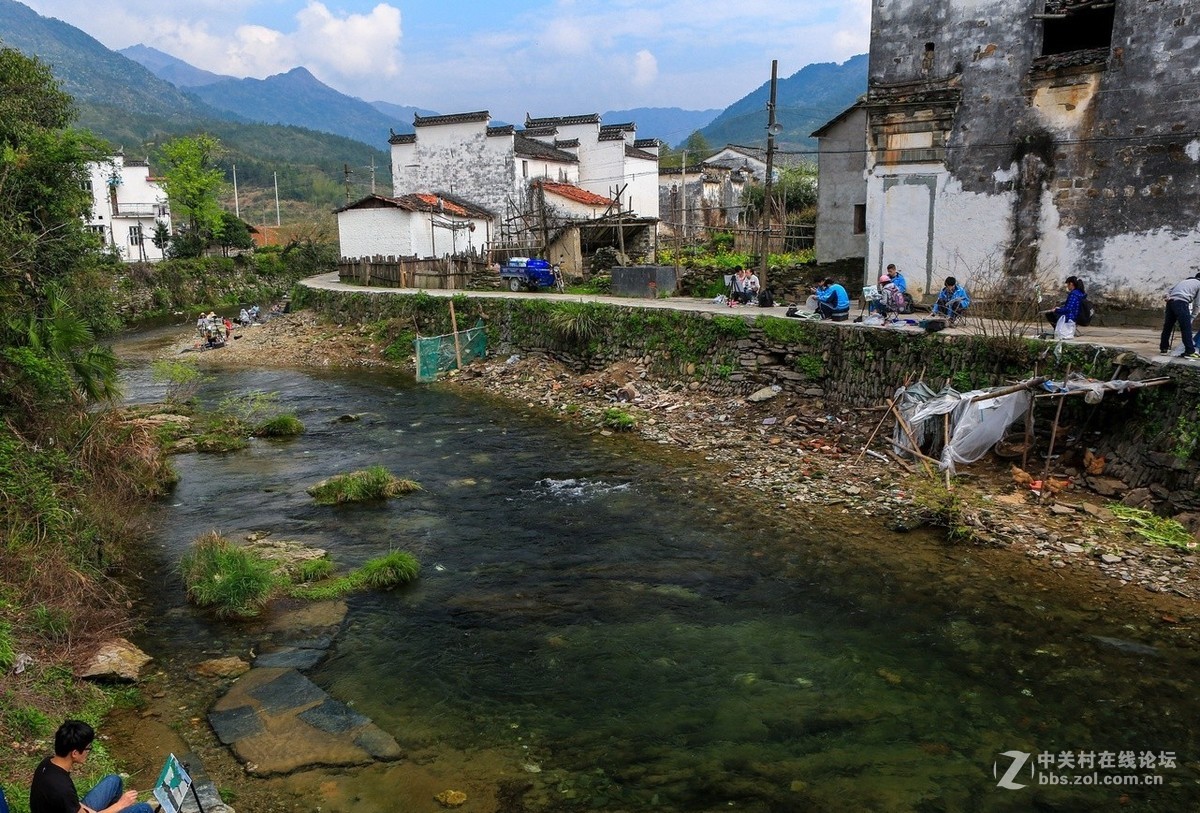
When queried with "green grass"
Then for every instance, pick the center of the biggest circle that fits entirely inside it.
(381, 573)
(374, 483)
(8, 654)
(232, 581)
(281, 426)
(618, 419)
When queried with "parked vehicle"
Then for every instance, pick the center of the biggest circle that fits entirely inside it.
(529, 273)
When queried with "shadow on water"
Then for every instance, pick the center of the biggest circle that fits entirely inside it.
(625, 635)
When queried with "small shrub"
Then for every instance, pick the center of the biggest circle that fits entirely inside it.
(183, 379)
(374, 483)
(281, 426)
(231, 580)
(618, 419)
(577, 322)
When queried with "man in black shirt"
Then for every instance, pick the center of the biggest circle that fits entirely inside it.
(53, 791)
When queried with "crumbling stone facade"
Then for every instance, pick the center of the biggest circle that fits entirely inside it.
(1047, 137)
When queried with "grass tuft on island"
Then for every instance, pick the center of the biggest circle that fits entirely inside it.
(238, 582)
(280, 426)
(374, 483)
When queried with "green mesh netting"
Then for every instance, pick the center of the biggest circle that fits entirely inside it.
(436, 353)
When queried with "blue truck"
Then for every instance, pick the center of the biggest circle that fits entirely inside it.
(529, 273)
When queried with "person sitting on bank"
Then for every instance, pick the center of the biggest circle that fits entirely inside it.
(952, 300)
(897, 278)
(53, 790)
(737, 287)
(832, 300)
(1072, 306)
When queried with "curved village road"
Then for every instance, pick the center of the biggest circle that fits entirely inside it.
(1143, 341)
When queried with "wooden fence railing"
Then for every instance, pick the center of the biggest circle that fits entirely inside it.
(451, 273)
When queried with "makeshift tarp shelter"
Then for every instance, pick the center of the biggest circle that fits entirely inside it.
(973, 422)
(976, 423)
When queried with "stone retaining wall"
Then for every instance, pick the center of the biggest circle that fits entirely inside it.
(1151, 439)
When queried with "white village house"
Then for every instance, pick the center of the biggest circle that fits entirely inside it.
(127, 205)
(513, 185)
(423, 225)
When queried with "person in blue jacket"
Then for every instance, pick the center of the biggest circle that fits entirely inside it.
(952, 300)
(832, 300)
(897, 278)
(1072, 307)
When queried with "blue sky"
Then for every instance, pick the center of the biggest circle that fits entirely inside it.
(545, 57)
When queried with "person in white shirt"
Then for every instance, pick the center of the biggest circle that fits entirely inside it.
(1183, 302)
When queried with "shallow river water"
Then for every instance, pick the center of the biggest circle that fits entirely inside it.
(601, 627)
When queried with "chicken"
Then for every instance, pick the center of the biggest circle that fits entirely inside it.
(1092, 463)
(1020, 476)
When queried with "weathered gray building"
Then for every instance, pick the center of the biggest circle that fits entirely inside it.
(1038, 136)
(842, 191)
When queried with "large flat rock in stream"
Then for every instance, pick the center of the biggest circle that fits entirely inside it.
(277, 721)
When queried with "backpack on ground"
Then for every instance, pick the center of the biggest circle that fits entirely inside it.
(765, 299)
(1087, 312)
(895, 302)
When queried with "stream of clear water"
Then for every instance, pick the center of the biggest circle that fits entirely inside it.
(622, 634)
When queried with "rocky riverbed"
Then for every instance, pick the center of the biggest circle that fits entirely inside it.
(791, 451)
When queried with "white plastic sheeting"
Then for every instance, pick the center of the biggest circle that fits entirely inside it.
(975, 426)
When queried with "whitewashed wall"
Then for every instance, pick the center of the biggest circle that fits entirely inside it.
(368, 232)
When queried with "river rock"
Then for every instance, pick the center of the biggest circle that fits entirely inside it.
(288, 557)
(1106, 486)
(451, 798)
(1138, 498)
(115, 660)
(765, 394)
(230, 667)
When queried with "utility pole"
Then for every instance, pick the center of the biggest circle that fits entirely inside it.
(346, 178)
(683, 192)
(275, 176)
(373, 176)
(772, 129)
(237, 209)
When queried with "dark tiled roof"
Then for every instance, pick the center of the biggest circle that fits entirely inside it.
(452, 118)
(566, 142)
(646, 142)
(540, 132)
(611, 135)
(403, 138)
(634, 152)
(627, 126)
(562, 121)
(420, 202)
(504, 130)
(532, 148)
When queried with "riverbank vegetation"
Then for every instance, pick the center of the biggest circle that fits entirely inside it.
(72, 473)
(75, 473)
(236, 581)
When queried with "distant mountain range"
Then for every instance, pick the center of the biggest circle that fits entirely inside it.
(293, 126)
(803, 102)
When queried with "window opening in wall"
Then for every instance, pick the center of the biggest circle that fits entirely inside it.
(860, 218)
(524, 169)
(135, 235)
(927, 59)
(1077, 25)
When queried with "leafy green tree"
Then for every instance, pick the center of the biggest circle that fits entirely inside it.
(47, 351)
(235, 233)
(794, 191)
(193, 184)
(695, 147)
(161, 238)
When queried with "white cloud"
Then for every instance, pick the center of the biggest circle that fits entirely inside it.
(645, 68)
